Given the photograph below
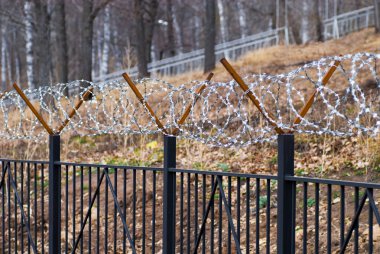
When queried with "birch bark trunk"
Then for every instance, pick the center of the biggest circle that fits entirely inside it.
(28, 10)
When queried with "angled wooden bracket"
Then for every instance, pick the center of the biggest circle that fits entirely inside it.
(143, 102)
(269, 117)
(73, 111)
(310, 102)
(35, 112)
(190, 106)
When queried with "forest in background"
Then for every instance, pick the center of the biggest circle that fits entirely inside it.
(50, 41)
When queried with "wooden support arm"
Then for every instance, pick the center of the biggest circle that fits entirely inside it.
(190, 106)
(35, 112)
(73, 111)
(310, 102)
(269, 117)
(143, 102)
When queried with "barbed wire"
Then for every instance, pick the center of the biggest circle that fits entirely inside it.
(219, 113)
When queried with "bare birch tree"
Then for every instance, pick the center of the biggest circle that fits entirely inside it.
(28, 9)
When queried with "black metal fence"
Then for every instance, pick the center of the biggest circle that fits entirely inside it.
(53, 206)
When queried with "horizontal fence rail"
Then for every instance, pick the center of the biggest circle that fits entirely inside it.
(349, 22)
(123, 209)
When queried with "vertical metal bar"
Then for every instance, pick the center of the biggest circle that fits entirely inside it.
(35, 203)
(329, 218)
(220, 222)
(238, 185)
(22, 202)
(196, 208)
(342, 214)
(154, 214)
(257, 215)
(134, 197)
(98, 213)
(9, 211)
(316, 218)
(188, 212)
(15, 207)
(3, 210)
(43, 209)
(204, 185)
(247, 211)
(67, 209)
(304, 216)
(28, 176)
(115, 212)
(89, 204)
(229, 205)
(285, 216)
(370, 227)
(106, 215)
(212, 218)
(181, 213)
(125, 207)
(143, 211)
(74, 203)
(268, 218)
(169, 198)
(356, 236)
(81, 206)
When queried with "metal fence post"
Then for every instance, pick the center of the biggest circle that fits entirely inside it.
(285, 195)
(54, 195)
(169, 195)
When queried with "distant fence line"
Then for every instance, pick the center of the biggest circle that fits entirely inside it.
(333, 27)
(194, 60)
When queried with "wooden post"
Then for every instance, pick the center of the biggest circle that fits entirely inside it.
(190, 106)
(35, 112)
(85, 97)
(310, 102)
(269, 117)
(143, 102)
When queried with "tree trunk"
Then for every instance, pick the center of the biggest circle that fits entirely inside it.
(3, 59)
(28, 9)
(377, 15)
(106, 42)
(210, 34)
(305, 37)
(87, 33)
(242, 19)
(149, 23)
(43, 53)
(223, 21)
(142, 63)
(178, 32)
(171, 47)
(61, 36)
(317, 21)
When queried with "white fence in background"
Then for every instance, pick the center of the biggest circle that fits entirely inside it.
(194, 60)
(348, 22)
(332, 28)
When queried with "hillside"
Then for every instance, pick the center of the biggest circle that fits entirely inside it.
(279, 59)
(315, 155)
